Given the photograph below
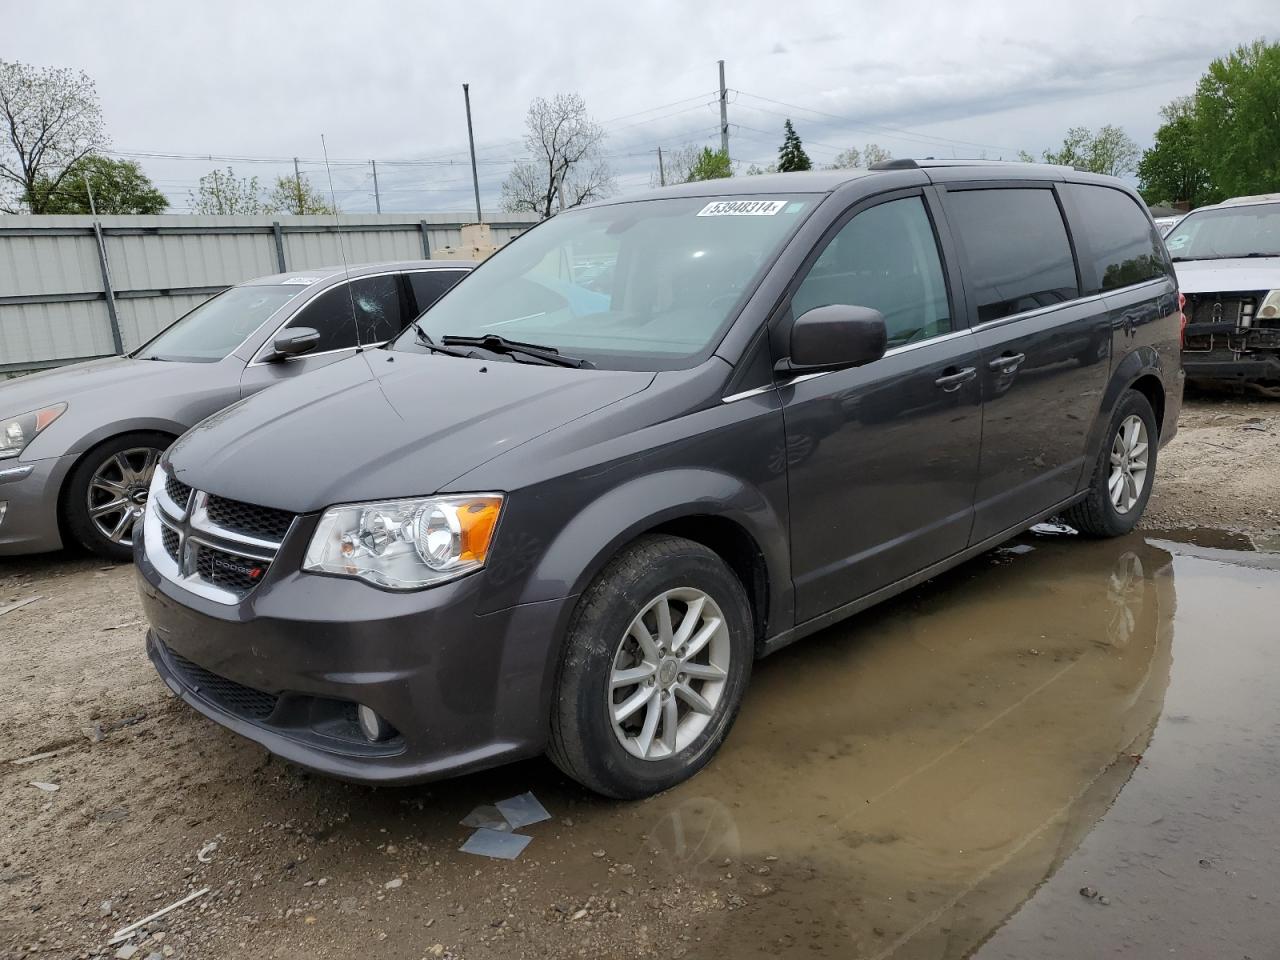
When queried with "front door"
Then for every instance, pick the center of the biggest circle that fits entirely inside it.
(1046, 351)
(882, 458)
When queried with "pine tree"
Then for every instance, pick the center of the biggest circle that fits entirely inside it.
(791, 155)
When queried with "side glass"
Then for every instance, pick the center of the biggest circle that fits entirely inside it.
(886, 258)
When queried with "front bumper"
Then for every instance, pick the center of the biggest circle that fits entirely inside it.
(286, 666)
(30, 523)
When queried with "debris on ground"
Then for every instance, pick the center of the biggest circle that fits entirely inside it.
(45, 786)
(18, 604)
(205, 853)
(98, 732)
(487, 816)
(35, 757)
(496, 844)
(522, 810)
(125, 932)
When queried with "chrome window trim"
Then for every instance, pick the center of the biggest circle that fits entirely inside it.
(323, 353)
(257, 361)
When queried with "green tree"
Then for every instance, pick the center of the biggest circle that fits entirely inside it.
(710, 165)
(850, 159)
(1237, 120)
(222, 192)
(791, 155)
(1110, 151)
(119, 187)
(297, 196)
(49, 120)
(1172, 171)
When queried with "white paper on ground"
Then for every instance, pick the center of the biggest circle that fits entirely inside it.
(522, 810)
(496, 844)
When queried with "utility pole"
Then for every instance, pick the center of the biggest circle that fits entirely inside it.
(377, 197)
(92, 208)
(724, 114)
(297, 182)
(471, 139)
(662, 175)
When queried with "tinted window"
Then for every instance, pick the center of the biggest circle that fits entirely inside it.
(219, 325)
(1016, 250)
(430, 285)
(1122, 242)
(886, 258)
(378, 312)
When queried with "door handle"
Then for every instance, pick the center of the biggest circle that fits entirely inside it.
(1007, 363)
(954, 381)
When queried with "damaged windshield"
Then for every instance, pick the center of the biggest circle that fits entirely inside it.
(648, 285)
(1227, 232)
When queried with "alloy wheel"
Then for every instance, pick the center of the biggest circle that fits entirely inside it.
(118, 492)
(1130, 456)
(669, 673)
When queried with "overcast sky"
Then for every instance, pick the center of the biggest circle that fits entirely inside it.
(383, 79)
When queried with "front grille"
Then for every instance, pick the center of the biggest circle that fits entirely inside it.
(172, 544)
(178, 492)
(233, 697)
(228, 570)
(263, 523)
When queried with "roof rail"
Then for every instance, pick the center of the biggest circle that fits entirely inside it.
(902, 163)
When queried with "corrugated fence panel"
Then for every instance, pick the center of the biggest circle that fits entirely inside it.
(141, 318)
(36, 331)
(52, 307)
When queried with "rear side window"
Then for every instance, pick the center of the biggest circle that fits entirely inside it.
(885, 258)
(1124, 247)
(379, 313)
(1016, 250)
(430, 285)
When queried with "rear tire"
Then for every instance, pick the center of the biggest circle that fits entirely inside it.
(106, 491)
(677, 691)
(1118, 491)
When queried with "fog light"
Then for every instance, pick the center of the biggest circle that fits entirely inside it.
(373, 726)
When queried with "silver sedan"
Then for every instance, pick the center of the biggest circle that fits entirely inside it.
(78, 444)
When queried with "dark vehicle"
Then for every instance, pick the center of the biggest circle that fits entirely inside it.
(559, 519)
(78, 444)
(1228, 262)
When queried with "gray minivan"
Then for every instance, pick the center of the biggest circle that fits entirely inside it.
(649, 441)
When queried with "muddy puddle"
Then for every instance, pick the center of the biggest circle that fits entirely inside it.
(937, 778)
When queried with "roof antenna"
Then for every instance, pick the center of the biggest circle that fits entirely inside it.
(342, 250)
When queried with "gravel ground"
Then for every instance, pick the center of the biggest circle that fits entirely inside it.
(298, 866)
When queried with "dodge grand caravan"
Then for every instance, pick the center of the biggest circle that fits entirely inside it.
(648, 442)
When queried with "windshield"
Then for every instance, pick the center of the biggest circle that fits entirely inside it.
(639, 286)
(220, 324)
(1226, 232)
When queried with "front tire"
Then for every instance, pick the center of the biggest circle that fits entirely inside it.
(107, 490)
(654, 669)
(1125, 471)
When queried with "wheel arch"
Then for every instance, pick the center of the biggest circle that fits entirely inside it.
(1139, 370)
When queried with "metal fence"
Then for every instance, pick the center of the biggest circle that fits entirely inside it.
(74, 287)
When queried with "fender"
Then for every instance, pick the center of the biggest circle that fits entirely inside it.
(597, 532)
(1139, 362)
(130, 425)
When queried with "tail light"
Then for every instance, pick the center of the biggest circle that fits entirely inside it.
(1182, 327)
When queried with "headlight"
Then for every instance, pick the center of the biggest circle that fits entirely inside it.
(1270, 308)
(17, 432)
(405, 544)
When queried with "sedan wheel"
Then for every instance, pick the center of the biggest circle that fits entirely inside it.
(118, 492)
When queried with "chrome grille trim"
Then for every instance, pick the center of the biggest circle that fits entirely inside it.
(197, 537)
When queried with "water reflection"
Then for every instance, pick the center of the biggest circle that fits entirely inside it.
(899, 784)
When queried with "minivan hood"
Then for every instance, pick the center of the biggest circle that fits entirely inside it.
(1228, 276)
(384, 425)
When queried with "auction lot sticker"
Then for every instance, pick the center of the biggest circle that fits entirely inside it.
(742, 208)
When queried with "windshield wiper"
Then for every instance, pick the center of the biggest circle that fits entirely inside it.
(424, 338)
(496, 344)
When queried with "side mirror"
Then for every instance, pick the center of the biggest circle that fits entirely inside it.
(294, 342)
(835, 336)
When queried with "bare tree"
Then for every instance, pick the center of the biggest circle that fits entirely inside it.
(49, 119)
(566, 168)
(222, 192)
(874, 153)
